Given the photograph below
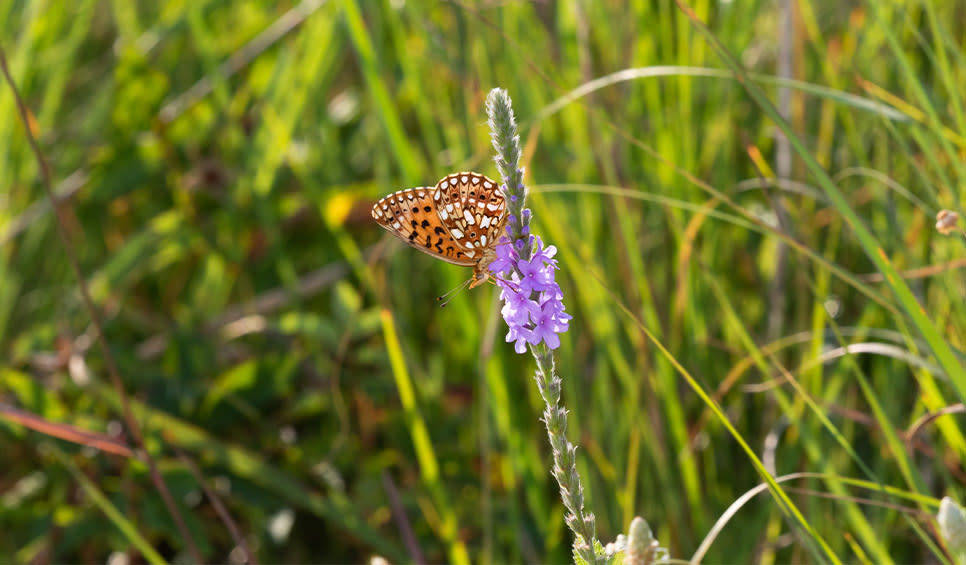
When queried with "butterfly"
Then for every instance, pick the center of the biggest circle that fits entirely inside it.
(458, 221)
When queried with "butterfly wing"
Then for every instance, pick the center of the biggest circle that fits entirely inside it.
(472, 209)
(411, 216)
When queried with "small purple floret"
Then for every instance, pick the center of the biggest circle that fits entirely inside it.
(532, 300)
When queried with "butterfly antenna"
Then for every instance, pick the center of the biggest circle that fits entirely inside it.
(513, 286)
(444, 299)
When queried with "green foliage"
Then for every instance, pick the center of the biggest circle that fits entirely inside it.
(766, 369)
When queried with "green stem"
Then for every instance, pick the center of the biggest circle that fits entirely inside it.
(581, 522)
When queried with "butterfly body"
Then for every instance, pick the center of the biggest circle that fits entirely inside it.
(458, 221)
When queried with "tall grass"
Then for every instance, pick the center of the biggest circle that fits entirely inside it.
(767, 369)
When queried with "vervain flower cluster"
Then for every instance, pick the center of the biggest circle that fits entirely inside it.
(532, 301)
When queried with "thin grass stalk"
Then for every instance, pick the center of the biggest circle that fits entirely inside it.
(132, 424)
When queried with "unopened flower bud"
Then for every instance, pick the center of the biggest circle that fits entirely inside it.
(952, 526)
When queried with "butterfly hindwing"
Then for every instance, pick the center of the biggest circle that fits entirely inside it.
(472, 208)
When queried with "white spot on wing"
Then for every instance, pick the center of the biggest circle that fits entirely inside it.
(464, 179)
(456, 233)
(443, 215)
(492, 207)
(483, 240)
(469, 217)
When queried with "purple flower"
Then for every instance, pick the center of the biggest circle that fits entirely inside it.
(521, 335)
(536, 274)
(532, 301)
(506, 256)
(518, 309)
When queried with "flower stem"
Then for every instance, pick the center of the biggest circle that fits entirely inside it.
(506, 141)
(582, 523)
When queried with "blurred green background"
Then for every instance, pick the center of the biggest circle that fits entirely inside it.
(215, 163)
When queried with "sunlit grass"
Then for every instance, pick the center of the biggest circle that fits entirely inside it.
(733, 333)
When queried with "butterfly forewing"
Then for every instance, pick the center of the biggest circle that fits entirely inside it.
(472, 208)
(411, 216)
